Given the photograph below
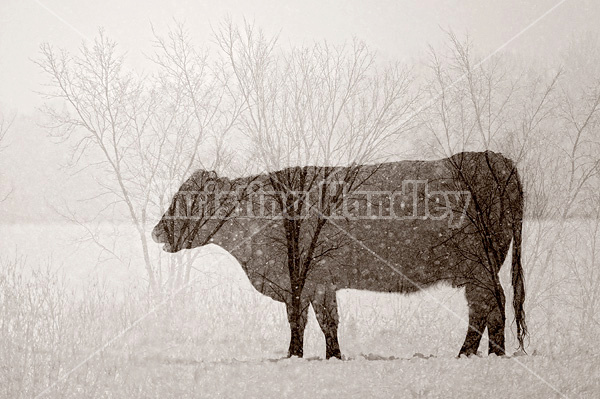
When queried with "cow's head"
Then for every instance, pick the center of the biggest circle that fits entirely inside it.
(197, 211)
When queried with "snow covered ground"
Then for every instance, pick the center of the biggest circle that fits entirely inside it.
(541, 377)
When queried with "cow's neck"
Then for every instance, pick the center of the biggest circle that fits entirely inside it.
(232, 237)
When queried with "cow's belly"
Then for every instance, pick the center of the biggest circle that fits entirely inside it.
(379, 276)
(393, 257)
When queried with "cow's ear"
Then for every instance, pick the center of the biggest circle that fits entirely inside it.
(225, 184)
(198, 175)
(196, 180)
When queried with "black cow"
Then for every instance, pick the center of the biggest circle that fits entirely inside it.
(402, 227)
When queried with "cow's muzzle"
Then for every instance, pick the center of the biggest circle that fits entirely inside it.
(160, 236)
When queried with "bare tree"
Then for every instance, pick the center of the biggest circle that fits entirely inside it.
(489, 105)
(580, 146)
(322, 105)
(210, 111)
(575, 183)
(141, 134)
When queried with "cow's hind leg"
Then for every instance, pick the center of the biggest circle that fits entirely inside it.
(495, 324)
(297, 320)
(325, 305)
(477, 302)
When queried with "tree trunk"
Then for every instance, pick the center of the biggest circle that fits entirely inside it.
(148, 264)
(297, 320)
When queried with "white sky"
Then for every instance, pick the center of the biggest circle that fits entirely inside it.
(395, 28)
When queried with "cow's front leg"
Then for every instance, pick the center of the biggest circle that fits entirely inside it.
(297, 315)
(325, 306)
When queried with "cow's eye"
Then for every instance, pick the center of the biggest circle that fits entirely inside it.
(182, 206)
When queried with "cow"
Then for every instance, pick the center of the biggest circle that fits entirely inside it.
(402, 227)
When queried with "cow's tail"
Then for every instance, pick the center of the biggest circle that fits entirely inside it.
(518, 279)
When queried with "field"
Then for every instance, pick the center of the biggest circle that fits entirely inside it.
(76, 322)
